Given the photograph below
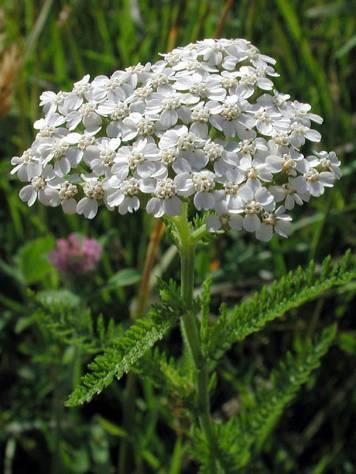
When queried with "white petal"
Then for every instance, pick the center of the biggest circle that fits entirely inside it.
(168, 140)
(62, 167)
(147, 169)
(264, 233)
(130, 204)
(283, 228)
(316, 188)
(265, 128)
(299, 184)
(200, 129)
(275, 162)
(28, 194)
(34, 169)
(182, 165)
(251, 223)
(204, 200)
(168, 119)
(172, 206)
(313, 135)
(246, 193)
(155, 207)
(236, 222)
(115, 198)
(289, 202)
(73, 119)
(92, 122)
(69, 206)
(327, 178)
(87, 207)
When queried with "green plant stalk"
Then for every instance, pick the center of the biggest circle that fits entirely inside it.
(186, 246)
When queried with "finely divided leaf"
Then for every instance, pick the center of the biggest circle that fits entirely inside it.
(164, 372)
(239, 437)
(291, 291)
(125, 351)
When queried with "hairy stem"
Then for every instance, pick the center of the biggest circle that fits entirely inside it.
(191, 331)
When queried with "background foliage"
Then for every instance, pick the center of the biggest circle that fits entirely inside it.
(48, 45)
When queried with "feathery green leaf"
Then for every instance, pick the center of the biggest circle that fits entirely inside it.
(293, 290)
(164, 373)
(124, 352)
(240, 436)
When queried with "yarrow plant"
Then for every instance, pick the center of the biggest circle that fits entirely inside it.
(202, 129)
(76, 255)
(203, 124)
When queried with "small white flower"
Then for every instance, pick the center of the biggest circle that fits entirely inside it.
(137, 125)
(298, 133)
(317, 182)
(181, 139)
(58, 151)
(100, 157)
(114, 89)
(325, 161)
(39, 189)
(230, 117)
(51, 102)
(80, 143)
(250, 78)
(301, 113)
(141, 158)
(124, 194)
(169, 106)
(212, 51)
(165, 200)
(87, 114)
(49, 122)
(267, 120)
(254, 171)
(28, 165)
(252, 203)
(286, 160)
(200, 87)
(94, 192)
(201, 184)
(115, 110)
(277, 221)
(293, 192)
(63, 193)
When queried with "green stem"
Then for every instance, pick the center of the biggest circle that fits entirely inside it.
(191, 331)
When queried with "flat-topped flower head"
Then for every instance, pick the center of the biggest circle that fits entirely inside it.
(204, 124)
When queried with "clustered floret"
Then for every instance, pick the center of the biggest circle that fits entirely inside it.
(204, 122)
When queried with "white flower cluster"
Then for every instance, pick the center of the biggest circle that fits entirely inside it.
(205, 122)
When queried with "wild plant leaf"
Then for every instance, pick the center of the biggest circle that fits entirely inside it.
(33, 260)
(126, 277)
(291, 291)
(58, 299)
(164, 373)
(240, 437)
(124, 352)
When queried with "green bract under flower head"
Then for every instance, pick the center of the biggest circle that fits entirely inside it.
(204, 123)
